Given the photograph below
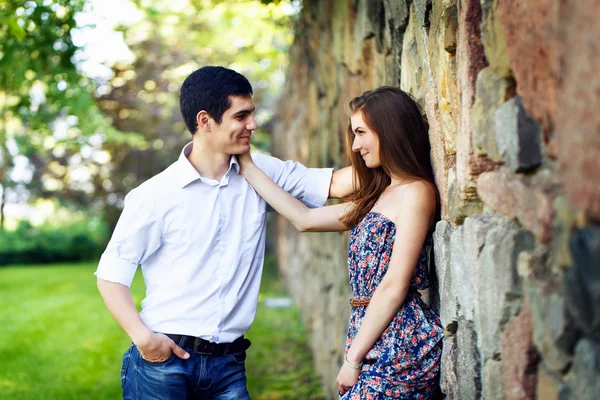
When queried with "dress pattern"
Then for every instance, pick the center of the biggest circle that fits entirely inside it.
(404, 362)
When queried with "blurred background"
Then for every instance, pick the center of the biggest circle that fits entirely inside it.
(89, 109)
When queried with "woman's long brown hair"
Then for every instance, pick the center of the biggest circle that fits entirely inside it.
(404, 148)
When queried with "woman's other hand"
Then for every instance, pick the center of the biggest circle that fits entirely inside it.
(346, 378)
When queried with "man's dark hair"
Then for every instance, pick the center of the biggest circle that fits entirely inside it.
(208, 89)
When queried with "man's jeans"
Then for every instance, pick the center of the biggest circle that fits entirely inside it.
(198, 377)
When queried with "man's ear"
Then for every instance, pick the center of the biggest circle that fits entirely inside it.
(203, 121)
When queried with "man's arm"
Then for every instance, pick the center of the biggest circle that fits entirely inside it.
(136, 236)
(153, 347)
(341, 183)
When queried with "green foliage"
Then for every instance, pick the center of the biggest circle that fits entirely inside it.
(50, 243)
(170, 42)
(36, 38)
(279, 362)
(40, 85)
(58, 341)
(88, 143)
(36, 51)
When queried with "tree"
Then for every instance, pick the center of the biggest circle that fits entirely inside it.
(48, 112)
(88, 150)
(170, 43)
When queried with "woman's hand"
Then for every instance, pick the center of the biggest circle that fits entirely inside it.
(346, 378)
(245, 161)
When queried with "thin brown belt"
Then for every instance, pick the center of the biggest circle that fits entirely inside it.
(356, 302)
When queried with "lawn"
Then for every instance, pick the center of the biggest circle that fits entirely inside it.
(58, 341)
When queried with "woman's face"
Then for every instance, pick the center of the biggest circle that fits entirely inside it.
(366, 142)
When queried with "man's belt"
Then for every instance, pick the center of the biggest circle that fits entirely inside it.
(201, 346)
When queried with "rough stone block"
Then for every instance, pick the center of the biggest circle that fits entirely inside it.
(547, 387)
(534, 264)
(372, 65)
(499, 285)
(339, 18)
(468, 366)
(397, 11)
(449, 20)
(443, 70)
(396, 17)
(460, 375)
(422, 11)
(582, 280)
(492, 92)
(351, 42)
(460, 272)
(520, 359)
(479, 165)
(471, 59)
(583, 380)
(518, 136)
(448, 302)
(530, 33)
(552, 328)
(458, 207)
(368, 23)
(577, 116)
(566, 217)
(492, 36)
(441, 160)
(416, 72)
(431, 295)
(492, 381)
(529, 199)
(466, 244)
(475, 230)
(448, 379)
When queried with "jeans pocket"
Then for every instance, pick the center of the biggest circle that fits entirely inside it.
(125, 365)
(158, 362)
(238, 358)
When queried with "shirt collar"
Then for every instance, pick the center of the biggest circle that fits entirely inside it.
(233, 164)
(186, 173)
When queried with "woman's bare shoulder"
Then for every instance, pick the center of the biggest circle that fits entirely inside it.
(418, 196)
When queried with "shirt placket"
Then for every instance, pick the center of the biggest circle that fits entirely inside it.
(222, 268)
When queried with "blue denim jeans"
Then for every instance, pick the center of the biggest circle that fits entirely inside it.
(198, 377)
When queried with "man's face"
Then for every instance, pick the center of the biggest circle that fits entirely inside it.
(232, 135)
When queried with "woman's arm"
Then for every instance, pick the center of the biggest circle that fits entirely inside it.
(415, 207)
(323, 219)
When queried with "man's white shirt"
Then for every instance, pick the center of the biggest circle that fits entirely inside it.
(200, 243)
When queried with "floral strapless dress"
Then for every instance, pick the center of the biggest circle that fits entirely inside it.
(404, 362)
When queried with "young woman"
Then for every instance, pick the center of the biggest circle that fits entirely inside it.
(394, 339)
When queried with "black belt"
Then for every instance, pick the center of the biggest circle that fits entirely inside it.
(201, 346)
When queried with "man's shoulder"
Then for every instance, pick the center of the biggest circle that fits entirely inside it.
(162, 182)
(263, 158)
(266, 162)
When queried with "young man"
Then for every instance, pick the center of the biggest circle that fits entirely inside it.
(198, 230)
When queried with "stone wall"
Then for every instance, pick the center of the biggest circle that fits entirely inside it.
(512, 95)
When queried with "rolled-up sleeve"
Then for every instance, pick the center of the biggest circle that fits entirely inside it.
(136, 237)
(309, 185)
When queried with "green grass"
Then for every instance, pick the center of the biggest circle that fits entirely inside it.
(58, 341)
